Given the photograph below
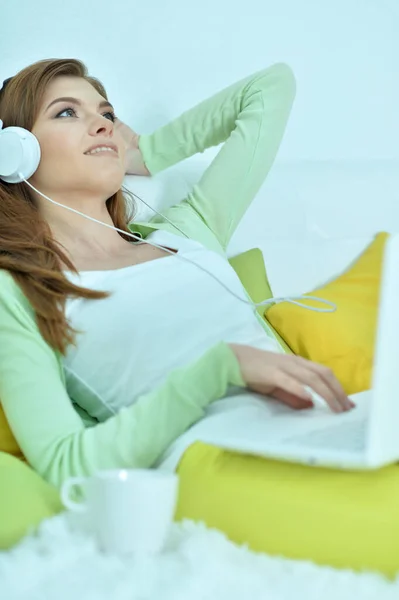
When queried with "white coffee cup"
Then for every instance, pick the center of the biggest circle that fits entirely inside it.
(130, 510)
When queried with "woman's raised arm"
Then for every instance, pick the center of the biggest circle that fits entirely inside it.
(250, 117)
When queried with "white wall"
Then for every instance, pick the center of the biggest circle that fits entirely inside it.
(158, 58)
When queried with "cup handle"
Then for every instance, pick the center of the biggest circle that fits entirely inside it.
(65, 491)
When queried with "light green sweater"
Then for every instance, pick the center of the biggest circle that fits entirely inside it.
(57, 439)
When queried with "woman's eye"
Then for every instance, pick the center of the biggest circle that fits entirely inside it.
(70, 109)
(64, 111)
(113, 116)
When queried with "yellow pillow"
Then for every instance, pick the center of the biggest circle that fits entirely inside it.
(342, 340)
(344, 519)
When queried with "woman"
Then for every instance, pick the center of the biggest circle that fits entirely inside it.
(159, 340)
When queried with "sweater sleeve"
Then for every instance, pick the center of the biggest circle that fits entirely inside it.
(51, 434)
(250, 116)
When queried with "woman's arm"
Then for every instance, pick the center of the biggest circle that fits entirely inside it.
(250, 116)
(51, 434)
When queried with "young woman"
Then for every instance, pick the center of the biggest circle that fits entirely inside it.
(110, 349)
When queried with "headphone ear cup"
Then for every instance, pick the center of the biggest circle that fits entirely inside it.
(19, 153)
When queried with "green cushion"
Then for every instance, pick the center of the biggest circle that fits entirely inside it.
(250, 268)
(25, 499)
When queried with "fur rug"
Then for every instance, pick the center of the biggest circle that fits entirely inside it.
(59, 563)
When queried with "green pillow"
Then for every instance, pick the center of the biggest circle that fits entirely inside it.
(250, 268)
(25, 499)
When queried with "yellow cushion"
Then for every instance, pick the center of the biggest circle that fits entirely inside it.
(342, 519)
(337, 518)
(342, 340)
(25, 499)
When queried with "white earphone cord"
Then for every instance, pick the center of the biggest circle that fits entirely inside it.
(290, 299)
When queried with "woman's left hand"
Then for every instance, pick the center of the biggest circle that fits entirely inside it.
(134, 163)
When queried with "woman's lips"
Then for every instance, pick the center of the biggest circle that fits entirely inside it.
(104, 153)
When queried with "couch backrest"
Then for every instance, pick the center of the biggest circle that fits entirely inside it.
(310, 219)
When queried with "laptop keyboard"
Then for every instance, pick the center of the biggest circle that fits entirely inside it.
(345, 436)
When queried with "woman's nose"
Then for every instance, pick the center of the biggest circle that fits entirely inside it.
(102, 124)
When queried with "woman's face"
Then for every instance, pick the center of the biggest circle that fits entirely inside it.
(66, 130)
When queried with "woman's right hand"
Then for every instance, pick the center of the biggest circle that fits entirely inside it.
(285, 376)
(134, 163)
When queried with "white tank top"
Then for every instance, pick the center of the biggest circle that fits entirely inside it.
(161, 315)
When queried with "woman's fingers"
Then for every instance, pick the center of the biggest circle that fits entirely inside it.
(328, 376)
(291, 400)
(289, 389)
(322, 380)
(287, 377)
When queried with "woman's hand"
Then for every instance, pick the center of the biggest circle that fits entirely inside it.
(134, 164)
(285, 376)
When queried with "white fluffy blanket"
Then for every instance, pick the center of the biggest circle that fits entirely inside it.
(58, 563)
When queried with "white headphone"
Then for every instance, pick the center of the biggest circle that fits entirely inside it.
(19, 154)
(20, 157)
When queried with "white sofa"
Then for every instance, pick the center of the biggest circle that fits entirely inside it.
(310, 218)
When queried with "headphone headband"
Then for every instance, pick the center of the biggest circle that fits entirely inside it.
(5, 83)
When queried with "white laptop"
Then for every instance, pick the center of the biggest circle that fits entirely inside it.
(366, 437)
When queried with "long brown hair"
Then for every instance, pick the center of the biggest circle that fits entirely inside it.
(27, 249)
